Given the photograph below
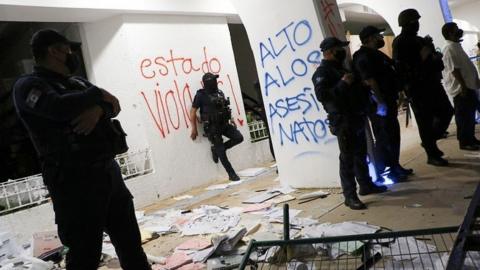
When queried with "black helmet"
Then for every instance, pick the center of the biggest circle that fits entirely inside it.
(407, 16)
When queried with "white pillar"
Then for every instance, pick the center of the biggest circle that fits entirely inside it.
(285, 38)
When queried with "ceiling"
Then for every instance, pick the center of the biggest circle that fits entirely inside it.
(356, 16)
(456, 3)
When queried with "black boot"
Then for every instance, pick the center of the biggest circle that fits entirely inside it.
(398, 169)
(354, 203)
(469, 147)
(233, 177)
(397, 177)
(214, 154)
(437, 161)
(372, 189)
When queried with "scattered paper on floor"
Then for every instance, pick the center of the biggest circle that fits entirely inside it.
(262, 197)
(257, 207)
(195, 244)
(251, 172)
(312, 195)
(183, 197)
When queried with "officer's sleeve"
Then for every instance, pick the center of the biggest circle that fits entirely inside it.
(326, 88)
(364, 68)
(107, 110)
(434, 63)
(39, 98)
(197, 101)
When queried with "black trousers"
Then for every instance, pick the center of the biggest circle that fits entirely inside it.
(353, 154)
(216, 138)
(433, 113)
(87, 202)
(386, 130)
(424, 115)
(465, 107)
(442, 111)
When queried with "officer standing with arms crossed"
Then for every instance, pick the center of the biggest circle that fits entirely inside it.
(378, 73)
(216, 117)
(411, 54)
(68, 120)
(346, 103)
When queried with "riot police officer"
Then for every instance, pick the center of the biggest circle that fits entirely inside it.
(411, 55)
(69, 122)
(378, 73)
(217, 121)
(346, 103)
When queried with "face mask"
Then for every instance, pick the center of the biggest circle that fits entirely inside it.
(459, 34)
(72, 62)
(380, 43)
(340, 55)
(413, 27)
(210, 85)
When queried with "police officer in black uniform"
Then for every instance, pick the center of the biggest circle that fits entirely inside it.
(216, 117)
(411, 54)
(69, 122)
(378, 74)
(346, 103)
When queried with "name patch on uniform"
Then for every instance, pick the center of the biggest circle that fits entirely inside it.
(33, 97)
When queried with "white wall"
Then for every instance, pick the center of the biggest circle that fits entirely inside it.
(155, 112)
(430, 23)
(468, 12)
(467, 18)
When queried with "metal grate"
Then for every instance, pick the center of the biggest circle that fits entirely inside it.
(419, 249)
(404, 250)
(258, 131)
(30, 191)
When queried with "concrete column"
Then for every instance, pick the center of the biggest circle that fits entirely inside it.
(285, 38)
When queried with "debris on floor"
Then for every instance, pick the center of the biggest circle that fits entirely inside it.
(175, 261)
(210, 220)
(13, 256)
(314, 195)
(252, 172)
(224, 262)
(195, 244)
(413, 205)
(183, 197)
(224, 186)
(256, 207)
(46, 244)
(262, 197)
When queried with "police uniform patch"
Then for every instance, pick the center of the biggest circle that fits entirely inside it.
(33, 97)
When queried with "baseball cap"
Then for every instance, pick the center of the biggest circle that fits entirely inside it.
(370, 30)
(44, 38)
(209, 76)
(331, 42)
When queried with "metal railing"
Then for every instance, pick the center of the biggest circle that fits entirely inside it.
(23, 192)
(258, 131)
(133, 164)
(30, 191)
(468, 239)
(413, 249)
